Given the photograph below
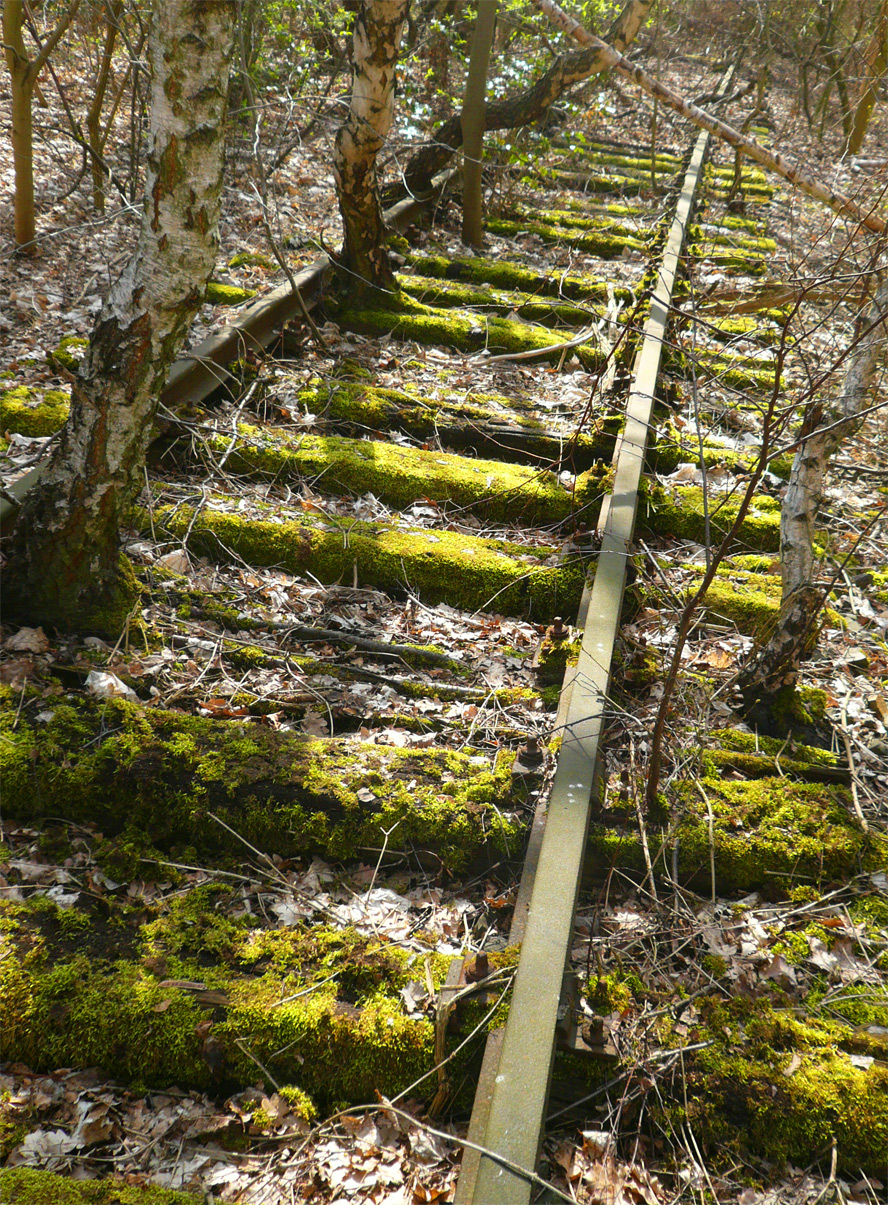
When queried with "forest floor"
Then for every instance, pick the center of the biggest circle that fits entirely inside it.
(261, 1144)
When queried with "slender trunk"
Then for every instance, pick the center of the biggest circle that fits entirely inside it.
(23, 74)
(876, 63)
(472, 123)
(527, 106)
(377, 36)
(113, 15)
(65, 570)
(777, 665)
(776, 163)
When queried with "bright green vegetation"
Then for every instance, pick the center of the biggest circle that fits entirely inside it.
(674, 447)
(26, 412)
(123, 766)
(69, 353)
(591, 182)
(400, 475)
(465, 571)
(761, 756)
(503, 274)
(506, 426)
(319, 1007)
(222, 294)
(751, 600)
(29, 1186)
(679, 512)
(605, 243)
(782, 1085)
(769, 832)
(252, 259)
(407, 319)
(433, 291)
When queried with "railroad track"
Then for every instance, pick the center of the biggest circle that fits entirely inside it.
(366, 569)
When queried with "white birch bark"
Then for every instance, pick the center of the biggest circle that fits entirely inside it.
(777, 664)
(65, 570)
(378, 28)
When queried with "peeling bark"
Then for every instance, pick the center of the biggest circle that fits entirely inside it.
(530, 105)
(378, 28)
(65, 569)
(777, 665)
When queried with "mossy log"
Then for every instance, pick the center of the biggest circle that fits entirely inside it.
(162, 773)
(507, 427)
(469, 572)
(401, 475)
(407, 319)
(679, 512)
(769, 833)
(182, 997)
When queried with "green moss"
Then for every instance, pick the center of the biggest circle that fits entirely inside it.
(407, 319)
(189, 995)
(69, 353)
(465, 571)
(770, 833)
(29, 1186)
(446, 293)
(400, 475)
(604, 243)
(507, 426)
(123, 767)
(517, 278)
(222, 294)
(781, 1087)
(679, 512)
(759, 756)
(252, 259)
(26, 412)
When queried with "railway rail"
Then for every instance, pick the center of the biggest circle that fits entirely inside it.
(319, 530)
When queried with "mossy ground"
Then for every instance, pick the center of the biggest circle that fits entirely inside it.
(29, 412)
(30, 1186)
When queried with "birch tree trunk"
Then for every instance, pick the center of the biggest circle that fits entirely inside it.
(378, 28)
(472, 123)
(777, 665)
(66, 570)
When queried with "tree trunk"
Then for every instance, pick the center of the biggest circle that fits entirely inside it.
(876, 63)
(113, 13)
(527, 106)
(472, 123)
(23, 73)
(378, 28)
(66, 570)
(777, 665)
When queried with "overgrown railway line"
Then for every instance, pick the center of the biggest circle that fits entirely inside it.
(361, 569)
